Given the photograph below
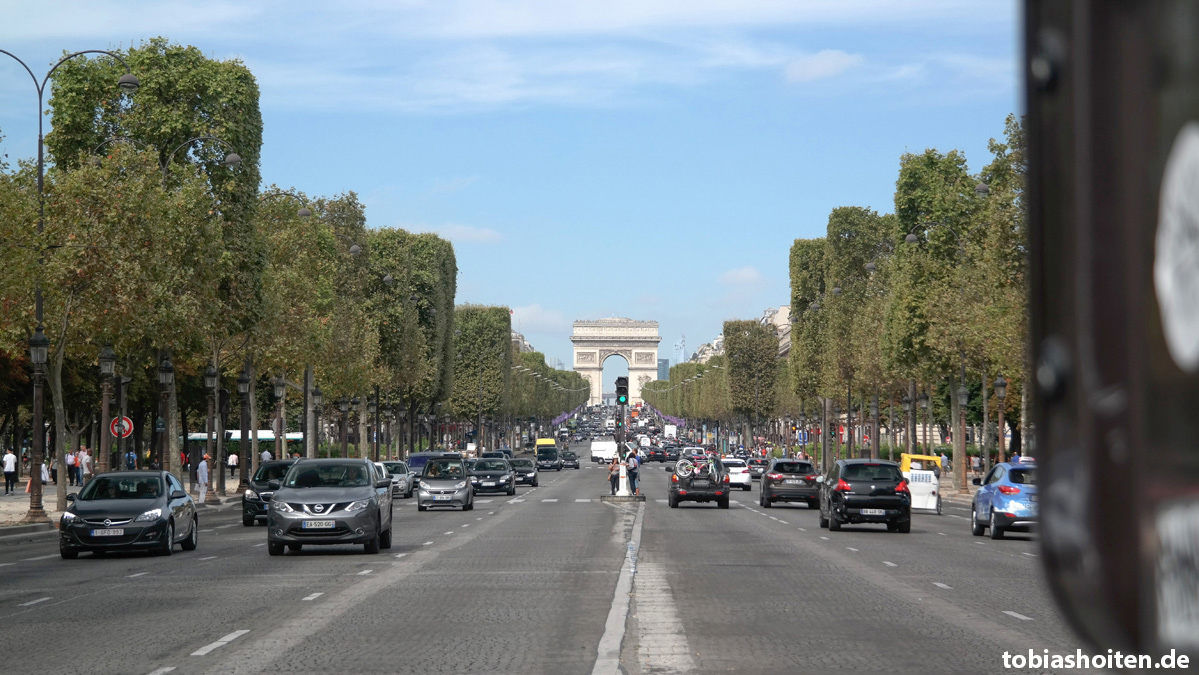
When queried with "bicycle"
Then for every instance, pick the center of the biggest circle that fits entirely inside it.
(685, 467)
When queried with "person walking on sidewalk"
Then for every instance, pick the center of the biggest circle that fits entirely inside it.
(10, 472)
(130, 460)
(70, 464)
(202, 479)
(232, 464)
(614, 473)
(84, 460)
(266, 455)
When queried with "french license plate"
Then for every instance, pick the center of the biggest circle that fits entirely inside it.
(318, 524)
(110, 532)
(442, 498)
(793, 481)
(488, 483)
(699, 483)
(874, 512)
(1032, 498)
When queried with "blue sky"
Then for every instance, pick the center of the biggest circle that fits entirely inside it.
(644, 158)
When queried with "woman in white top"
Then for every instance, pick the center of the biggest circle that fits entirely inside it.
(232, 463)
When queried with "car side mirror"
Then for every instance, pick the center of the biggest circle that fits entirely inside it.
(383, 483)
(977, 481)
(70, 498)
(669, 469)
(819, 479)
(272, 484)
(178, 494)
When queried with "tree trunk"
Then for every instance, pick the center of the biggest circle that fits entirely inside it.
(1018, 443)
(364, 446)
(60, 418)
(910, 422)
(983, 445)
(254, 451)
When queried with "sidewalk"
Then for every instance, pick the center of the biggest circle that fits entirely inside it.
(950, 494)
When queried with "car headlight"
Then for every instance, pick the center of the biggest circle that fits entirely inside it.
(474, 479)
(67, 517)
(461, 485)
(425, 486)
(250, 494)
(152, 514)
(281, 507)
(504, 477)
(358, 505)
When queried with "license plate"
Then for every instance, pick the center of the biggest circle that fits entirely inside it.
(442, 498)
(110, 532)
(488, 483)
(318, 524)
(874, 512)
(793, 481)
(1032, 498)
(699, 483)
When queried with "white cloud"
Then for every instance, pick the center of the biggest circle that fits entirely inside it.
(463, 234)
(742, 276)
(821, 65)
(537, 319)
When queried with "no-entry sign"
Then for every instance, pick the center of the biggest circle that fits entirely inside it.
(121, 427)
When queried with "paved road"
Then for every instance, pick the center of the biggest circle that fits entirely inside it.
(551, 581)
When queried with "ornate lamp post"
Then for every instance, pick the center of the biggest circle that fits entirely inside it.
(280, 386)
(372, 405)
(318, 401)
(108, 362)
(960, 473)
(166, 378)
(355, 403)
(344, 406)
(211, 380)
(907, 418)
(927, 415)
(401, 413)
(243, 390)
(39, 348)
(874, 440)
(1000, 394)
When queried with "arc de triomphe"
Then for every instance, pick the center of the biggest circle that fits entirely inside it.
(636, 341)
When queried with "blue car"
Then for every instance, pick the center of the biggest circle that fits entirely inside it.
(1006, 500)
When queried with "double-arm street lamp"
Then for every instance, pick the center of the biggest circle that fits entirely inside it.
(108, 362)
(166, 379)
(280, 392)
(1000, 394)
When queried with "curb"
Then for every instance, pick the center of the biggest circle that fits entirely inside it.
(14, 533)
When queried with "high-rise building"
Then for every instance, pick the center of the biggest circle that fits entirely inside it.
(664, 369)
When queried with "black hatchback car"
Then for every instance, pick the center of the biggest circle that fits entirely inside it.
(257, 497)
(865, 491)
(789, 480)
(129, 511)
(570, 460)
(701, 480)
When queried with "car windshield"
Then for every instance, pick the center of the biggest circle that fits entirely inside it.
(326, 475)
(522, 463)
(879, 472)
(121, 487)
(271, 472)
(544, 454)
(491, 465)
(417, 462)
(396, 467)
(569, 455)
(733, 462)
(1023, 476)
(445, 468)
(793, 467)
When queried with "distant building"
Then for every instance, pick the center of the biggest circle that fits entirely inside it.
(663, 369)
(520, 344)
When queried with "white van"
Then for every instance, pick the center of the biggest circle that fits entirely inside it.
(603, 450)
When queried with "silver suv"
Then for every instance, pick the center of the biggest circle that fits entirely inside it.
(330, 501)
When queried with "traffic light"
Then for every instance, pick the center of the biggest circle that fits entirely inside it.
(622, 391)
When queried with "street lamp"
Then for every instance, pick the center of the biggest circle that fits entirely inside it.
(923, 398)
(108, 363)
(211, 380)
(344, 406)
(280, 392)
(354, 405)
(1001, 393)
(166, 378)
(318, 400)
(373, 405)
(39, 348)
(963, 399)
(907, 418)
(243, 390)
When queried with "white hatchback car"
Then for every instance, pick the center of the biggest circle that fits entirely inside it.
(739, 475)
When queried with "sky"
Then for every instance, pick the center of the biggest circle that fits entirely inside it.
(651, 159)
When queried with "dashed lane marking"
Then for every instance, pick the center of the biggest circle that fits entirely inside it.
(426, 543)
(803, 529)
(888, 563)
(401, 555)
(220, 643)
(481, 517)
(1018, 616)
(221, 527)
(544, 501)
(484, 501)
(134, 576)
(211, 557)
(312, 597)
(1031, 555)
(582, 501)
(660, 501)
(852, 549)
(784, 522)
(365, 572)
(40, 557)
(515, 501)
(6, 564)
(208, 529)
(938, 584)
(162, 671)
(941, 533)
(465, 524)
(33, 602)
(450, 532)
(824, 538)
(773, 518)
(262, 544)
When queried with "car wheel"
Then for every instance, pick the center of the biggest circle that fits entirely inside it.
(905, 527)
(167, 547)
(385, 539)
(274, 548)
(892, 526)
(420, 507)
(766, 501)
(976, 528)
(748, 488)
(371, 547)
(67, 554)
(534, 483)
(938, 505)
(470, 506)
(723, 502)
(189, 544)
(295, 548)
(996, 530)
(823, 521)
(834, 525)
(673, 501)
(247, 521)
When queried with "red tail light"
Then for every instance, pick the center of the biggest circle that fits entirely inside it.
(726, 478)
(1009, 490)
(842, 486)
(774, 476)
(903, 487)
(674, 478)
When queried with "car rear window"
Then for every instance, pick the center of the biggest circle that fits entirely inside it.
(759, 462)
(1023, 476)
(793, 467)
(733, 462)
(879, 472)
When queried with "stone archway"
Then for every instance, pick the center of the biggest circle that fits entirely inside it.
(635, 341)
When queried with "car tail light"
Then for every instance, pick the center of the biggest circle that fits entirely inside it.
(1009, 490)
(674, 478)
(903, 487)
(726, 478)
(774, 476)
(842, 486)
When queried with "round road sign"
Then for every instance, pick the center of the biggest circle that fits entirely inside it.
(121, 427)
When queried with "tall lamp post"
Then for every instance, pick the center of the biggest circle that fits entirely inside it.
(318, 402)
(927, 419)
(960, 473)
(373, 406)
(39, 348)
(211, 380)
(344, 406)
(280, 392)
(910, 434)
(108, 362)
(243, 444)
(1000, 394)
(166, 379)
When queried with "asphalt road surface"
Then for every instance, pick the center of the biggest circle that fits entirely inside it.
(550, 581)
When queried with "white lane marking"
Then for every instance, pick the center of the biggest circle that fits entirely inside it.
(162, 671)
(515, 501)
(450, 532)
(979, 543)
(543, 501)
(941, 533)
(1031, 555)
(824, 538)
(784, 522)
(205, 530)
(211, 557)
(583, 501)
(6, 564)
(803, 529)
(221, 527)
(852, 549)
(888, 563)
(365, 572)
(262, 544)
(426, 543)
(607, 660)
(481, 517)
(220, 643)
(490, 513)
(660, 501)
(938, 584)
(484, 501)
(40, 557)
(33, 602)
(139, 574)
(1018, 616)
(312, 597)
(466, 525)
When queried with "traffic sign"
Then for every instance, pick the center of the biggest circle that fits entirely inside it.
(121, 427)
